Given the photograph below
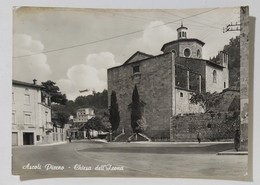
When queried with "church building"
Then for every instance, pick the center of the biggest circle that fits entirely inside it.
(166, 82)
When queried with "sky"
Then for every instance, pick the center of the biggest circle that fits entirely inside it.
(75, 47)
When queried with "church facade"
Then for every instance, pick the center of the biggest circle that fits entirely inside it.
(166, 82)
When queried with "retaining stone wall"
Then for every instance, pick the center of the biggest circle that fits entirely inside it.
(212, 126)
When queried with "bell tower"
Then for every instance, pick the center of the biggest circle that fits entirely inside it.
(182, 32)
(184, 46)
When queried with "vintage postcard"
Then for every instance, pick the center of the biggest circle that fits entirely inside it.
(131, 93)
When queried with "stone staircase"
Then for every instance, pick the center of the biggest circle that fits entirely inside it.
(125, 137)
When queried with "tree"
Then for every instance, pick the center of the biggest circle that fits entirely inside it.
(97, 100)
(114, 116)
(70, 107)
(141, 125)
(62, 118)
(54, 91)
(135, 110)
(95, 123)
(205, 99)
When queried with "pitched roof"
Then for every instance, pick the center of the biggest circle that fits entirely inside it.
(85, 108)
(137, 56)
(26, 84)
(214, 64)
(207, 62)
(141, 60)
(182, 27)
(182, 40)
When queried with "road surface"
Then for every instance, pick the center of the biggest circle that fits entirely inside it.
(95, 159)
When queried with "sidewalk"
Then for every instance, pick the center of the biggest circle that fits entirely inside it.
(51, 144)
(45, 144)
(178, 142)
(90, 140)
(233, 152)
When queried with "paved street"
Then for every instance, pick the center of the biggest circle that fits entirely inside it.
(94, 159)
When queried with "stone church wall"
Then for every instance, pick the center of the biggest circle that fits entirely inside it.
(193, 46)
(171, 47)
(179, 48)
(195, 66)
(210, 85)
(183, 105)
(154, 84)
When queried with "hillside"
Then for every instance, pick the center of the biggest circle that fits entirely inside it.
(229, 101)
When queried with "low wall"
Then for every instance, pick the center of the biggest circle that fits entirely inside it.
(53, 137)
(212, 126)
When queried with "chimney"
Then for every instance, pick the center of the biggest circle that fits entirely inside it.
(34, 81)
(222, 58)
(226, 58)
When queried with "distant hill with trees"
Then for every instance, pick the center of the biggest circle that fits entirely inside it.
(97, 100)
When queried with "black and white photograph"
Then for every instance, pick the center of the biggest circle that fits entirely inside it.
(154, 93)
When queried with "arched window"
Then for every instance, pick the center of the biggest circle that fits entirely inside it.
(198, 53)
(175, 54)
(214, 76)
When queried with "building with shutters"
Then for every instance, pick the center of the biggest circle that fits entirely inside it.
(31, 115)
(83, 115)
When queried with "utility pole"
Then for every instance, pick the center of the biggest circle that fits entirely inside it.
(232, 27)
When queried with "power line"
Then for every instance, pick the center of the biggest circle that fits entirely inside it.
(145, 19)
(192, 20)
(79, 45)
(130, 18)
(114, 37)
(210, 26)
(134, 18)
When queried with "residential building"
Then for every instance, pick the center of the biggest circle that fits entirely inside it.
(84, 114)
(31, 115)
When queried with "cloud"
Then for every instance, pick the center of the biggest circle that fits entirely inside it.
(90, 75)
(154, 36)
(29, 67)
(93, 73)
(102, 60)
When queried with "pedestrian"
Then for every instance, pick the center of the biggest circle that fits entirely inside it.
(198, 137)
(237, 140)
(70, 139)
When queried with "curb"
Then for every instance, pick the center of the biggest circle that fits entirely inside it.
(51, 144)
(47, 144)
(233, 153)
(99, 140)
(176, 143)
